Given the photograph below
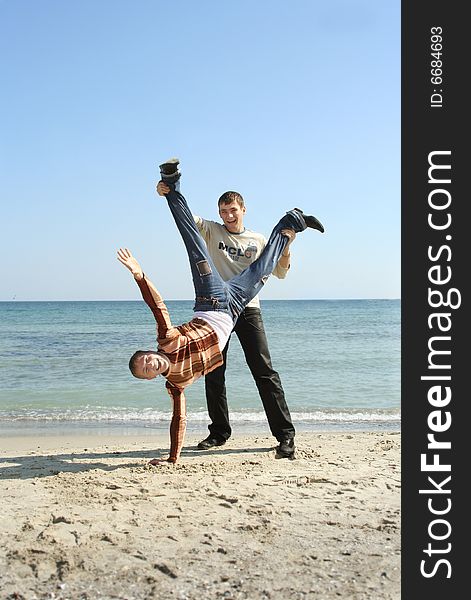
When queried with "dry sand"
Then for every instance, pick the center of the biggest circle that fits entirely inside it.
(87, 518)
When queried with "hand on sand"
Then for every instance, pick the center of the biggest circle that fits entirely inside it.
(155, 462)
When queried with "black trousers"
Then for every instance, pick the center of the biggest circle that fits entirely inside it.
(251, 333)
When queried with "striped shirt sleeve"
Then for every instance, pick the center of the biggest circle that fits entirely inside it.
(155, 302)
(178, 422)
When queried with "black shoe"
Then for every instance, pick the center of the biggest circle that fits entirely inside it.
(311, 221)
(169, 170)
(210, 442)
(286, 448)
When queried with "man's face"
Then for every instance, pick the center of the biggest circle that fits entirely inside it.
(149, 365)
(233, 216)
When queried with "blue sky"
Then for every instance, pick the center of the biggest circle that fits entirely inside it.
(291, 104)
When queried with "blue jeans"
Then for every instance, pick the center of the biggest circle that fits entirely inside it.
(211, 291)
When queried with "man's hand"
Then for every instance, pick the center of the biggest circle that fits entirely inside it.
(128, 260)
(291, 235)
(155, 462)
(162, 188)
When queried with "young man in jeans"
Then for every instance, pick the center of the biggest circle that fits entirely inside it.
(233, 248)
(194, 349)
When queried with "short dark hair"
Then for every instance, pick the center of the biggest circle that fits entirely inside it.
(133, 360)
(229, 197)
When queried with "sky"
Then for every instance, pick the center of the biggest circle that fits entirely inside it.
(292, 104)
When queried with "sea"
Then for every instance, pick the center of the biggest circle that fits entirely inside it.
(64, 368)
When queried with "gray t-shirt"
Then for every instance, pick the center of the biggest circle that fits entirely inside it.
(233, 252)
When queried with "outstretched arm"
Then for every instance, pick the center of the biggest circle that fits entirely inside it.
(149, 293)
(177, 425)
(127, 259)
(178, 422)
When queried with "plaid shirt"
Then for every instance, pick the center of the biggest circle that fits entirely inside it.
(193, 351)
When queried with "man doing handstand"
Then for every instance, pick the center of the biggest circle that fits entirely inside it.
(193, 349)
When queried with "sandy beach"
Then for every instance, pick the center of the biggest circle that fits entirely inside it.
(85, 517)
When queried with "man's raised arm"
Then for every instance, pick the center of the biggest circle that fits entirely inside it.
(149, 293)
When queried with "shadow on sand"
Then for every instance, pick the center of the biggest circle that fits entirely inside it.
(46, 465)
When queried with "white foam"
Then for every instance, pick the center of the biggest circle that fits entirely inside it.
(97, 414)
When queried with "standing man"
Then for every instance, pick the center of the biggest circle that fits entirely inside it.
(233, 248)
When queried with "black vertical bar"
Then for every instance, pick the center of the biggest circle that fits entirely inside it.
(434, 234)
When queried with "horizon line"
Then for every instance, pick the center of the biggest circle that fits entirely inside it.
(192, 300)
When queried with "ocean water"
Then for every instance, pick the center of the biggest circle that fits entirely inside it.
(64, 365)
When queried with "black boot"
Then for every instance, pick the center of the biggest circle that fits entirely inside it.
(311, 221)
(210, 442)
(169, 170)
(286, 448)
